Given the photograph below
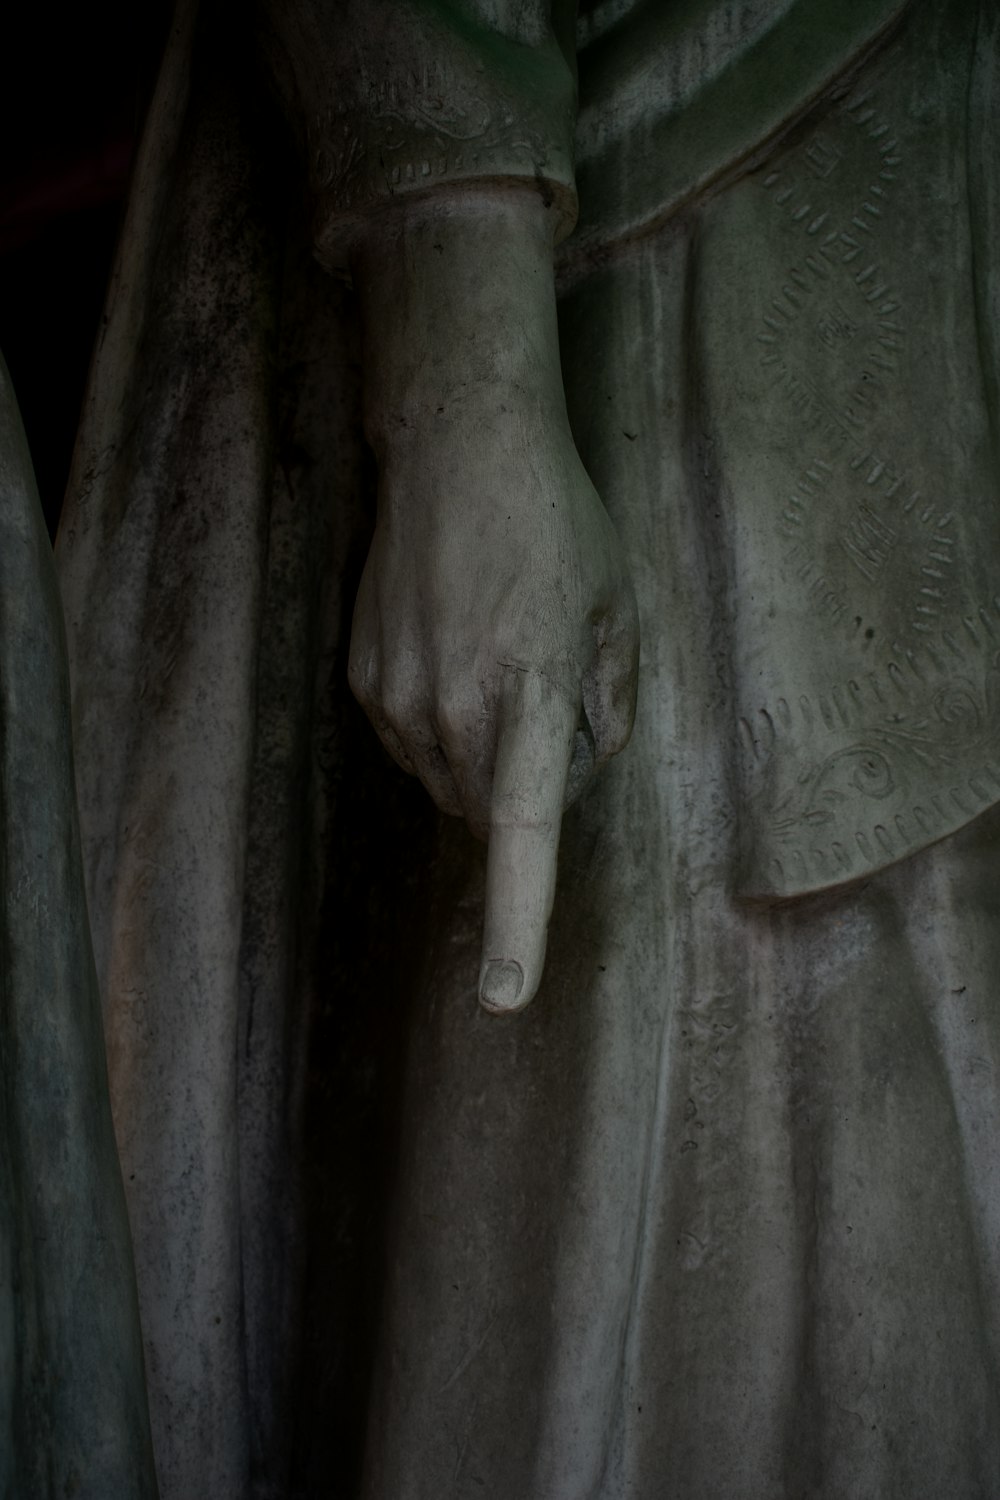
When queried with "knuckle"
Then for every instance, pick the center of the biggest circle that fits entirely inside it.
(609, 701)
(401, 706)
(362, 677)
(393, 744)
(455, 715)
(614, 741)
(444, 797)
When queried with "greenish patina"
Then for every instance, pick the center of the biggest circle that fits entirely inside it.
(73, 1417)
(718, 1214)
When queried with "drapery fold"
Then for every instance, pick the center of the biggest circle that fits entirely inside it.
(73, 1414)
(730, 1174)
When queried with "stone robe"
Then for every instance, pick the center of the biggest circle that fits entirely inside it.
(73, 1417)
(718, 1213)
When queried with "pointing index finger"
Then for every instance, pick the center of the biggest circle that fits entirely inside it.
(538, 719)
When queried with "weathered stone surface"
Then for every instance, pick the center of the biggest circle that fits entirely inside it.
(860, 538)
(73, 1415)
(718, 1214)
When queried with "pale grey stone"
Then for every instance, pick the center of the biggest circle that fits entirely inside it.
(717, 1214)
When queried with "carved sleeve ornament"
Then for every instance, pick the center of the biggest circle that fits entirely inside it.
(405, 96)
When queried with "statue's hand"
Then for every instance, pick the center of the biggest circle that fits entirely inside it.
(494, 648)
(495, 639)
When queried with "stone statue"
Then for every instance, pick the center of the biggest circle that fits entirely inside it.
(717, 1214)
(73, 1418)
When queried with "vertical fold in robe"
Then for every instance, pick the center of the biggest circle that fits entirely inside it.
(162, 555)
(73, 1417)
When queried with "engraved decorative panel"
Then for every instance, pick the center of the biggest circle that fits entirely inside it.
(852, 459)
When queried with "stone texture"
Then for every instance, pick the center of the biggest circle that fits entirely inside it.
(73, 1415)
(717, 1214)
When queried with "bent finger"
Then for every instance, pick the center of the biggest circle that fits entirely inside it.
(609, 688)
(538, 721)
(416, 750)
(399, 716)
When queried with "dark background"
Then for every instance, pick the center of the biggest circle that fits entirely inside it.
(74, 87)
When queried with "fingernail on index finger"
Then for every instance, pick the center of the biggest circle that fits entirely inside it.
(501, 985)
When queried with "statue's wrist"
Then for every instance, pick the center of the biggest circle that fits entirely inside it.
(458, 311)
